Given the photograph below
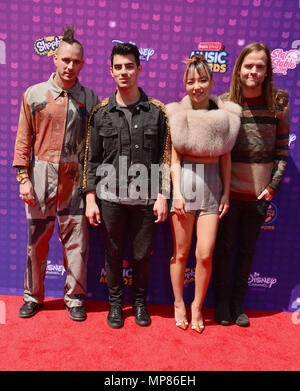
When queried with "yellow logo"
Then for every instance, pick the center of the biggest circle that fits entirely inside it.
(47, 45)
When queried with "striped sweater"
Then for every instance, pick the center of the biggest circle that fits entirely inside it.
(261, 150)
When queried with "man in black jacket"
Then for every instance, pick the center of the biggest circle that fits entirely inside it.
(127, 146)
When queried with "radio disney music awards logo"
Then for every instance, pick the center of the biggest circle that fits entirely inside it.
(271, 217)
(127, 274)
(214, 54)
(145, 53)
(284, 60)
(47, 46)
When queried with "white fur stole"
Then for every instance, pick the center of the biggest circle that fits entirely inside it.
(204, 133)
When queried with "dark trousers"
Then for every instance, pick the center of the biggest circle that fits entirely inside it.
(242, 222)
(137, 222)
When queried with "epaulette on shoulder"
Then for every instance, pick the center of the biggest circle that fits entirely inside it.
(157, 103)
(94, 110)
(281, 98)
(103, 103)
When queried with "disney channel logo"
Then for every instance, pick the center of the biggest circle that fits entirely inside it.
(214, 54)
(47, 45)
(145, 53)
(255, 280)
(54, 269)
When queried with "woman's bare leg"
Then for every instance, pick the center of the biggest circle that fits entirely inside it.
(182, 231)
(206, 228)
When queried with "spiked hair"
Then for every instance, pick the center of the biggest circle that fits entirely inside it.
(68, 37)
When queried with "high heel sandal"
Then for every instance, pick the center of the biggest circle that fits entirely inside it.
(199, 328)
(182, 324)
(199, 325)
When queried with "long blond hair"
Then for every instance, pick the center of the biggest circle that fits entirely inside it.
(236, 94)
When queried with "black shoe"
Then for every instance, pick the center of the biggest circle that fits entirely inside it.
(222, 315)
(142, 317)
(242, 320)
(29, 309)
(77, 313)
(115, 317)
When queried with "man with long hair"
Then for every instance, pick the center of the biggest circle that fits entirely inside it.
(48, 155)
(258, 162)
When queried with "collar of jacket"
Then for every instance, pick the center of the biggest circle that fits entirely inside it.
(56, 90)
(143, 101)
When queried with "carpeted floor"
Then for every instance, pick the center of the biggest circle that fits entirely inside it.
(51, 341)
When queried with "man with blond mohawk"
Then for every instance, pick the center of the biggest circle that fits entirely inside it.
(48, 156)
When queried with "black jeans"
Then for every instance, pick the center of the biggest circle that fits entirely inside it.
(118, 221)
(244, 220)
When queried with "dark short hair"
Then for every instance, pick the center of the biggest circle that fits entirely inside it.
(124, 49)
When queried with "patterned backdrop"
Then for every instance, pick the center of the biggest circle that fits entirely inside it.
(166, 32)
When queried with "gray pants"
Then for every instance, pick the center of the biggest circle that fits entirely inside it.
(56, 194)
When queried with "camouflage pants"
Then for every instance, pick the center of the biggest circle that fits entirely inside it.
(56, 195)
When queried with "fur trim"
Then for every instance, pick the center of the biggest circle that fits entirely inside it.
(204, 132)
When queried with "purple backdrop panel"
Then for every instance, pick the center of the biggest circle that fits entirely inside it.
(165, 32)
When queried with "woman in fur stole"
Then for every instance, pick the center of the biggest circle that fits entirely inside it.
(203, 132)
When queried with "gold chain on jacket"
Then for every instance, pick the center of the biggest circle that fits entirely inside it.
(103, 103)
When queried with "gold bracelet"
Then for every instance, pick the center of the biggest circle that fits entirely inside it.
(22, 173)
(22, 176)
(24, 180)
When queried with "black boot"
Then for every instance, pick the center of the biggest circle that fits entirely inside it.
(115, 283)
(115, 316)
(142, 317)
(140, 279)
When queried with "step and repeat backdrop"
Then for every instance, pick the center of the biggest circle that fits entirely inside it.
(166, 32)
